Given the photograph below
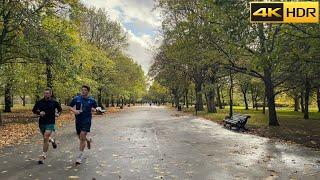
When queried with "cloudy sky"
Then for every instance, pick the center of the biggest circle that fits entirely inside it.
(141, 22)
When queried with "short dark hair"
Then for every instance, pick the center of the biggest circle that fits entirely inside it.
(87, 87)
(48, 89)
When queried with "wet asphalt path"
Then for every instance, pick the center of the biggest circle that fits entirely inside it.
(158, 143)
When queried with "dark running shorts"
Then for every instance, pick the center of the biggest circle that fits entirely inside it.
(83, 127)
(46, 127)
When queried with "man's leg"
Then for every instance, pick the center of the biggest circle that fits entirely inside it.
(83, 139)
(46, 137)
(53, 142)
(45, 147)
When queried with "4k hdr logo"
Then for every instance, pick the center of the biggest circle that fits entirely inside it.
(284, 12)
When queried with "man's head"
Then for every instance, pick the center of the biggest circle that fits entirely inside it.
(47, 93)
(85, 90)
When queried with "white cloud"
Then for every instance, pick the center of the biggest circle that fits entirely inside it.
(145, 22)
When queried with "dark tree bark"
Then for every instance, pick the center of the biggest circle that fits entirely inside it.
(175, 97)
(112, 101)
(199, 102)
(231, 96)
(264, 104)
(306, 99)
(245, 99)
(187, 100)
(118, 101)
(100, 97)
(296, 102)
(23, 98)
(184, 100)
(219, 103)
(7, 96)
(107, 102)
(253, 102)
(210, 102)
(122, 102)
(269, 91)
(12, 100)
(244, 89)
(302, 101)
(318, 98)
(253, 97)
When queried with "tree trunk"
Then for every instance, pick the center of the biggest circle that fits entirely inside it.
(296, 102)
(187, 100)
(199, 102)
(112, 101)
(231, 96)
(1, 123)
(245, 99)
(306, 99)
(269, 90)
(23, 98)
(318, 98)
(302, 101)
(219, 98)
(252, 97)
(118, 101)
(264, 104)
(176, 97)
(12, 100)
(211, 106)
(107, 102)
(7, 96)
(100, 97)
(222, 97)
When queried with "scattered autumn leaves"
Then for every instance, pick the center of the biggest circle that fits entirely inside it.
(18, 133)
(23, 124)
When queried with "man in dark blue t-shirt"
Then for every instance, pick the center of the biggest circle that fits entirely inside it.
(82, 106)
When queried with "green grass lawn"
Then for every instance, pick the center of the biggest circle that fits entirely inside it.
(292, 125)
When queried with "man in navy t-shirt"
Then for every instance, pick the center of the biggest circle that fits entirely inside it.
(82, 106)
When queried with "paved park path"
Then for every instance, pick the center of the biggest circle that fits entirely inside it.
(158, 143)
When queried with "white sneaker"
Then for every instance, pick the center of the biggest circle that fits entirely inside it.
(41, 159)
(79, 160)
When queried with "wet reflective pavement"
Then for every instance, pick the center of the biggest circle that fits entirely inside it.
(158, 143)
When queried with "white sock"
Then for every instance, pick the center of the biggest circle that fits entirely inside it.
(44, 154)
(88, 137)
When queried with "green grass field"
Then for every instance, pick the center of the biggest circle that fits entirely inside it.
(292, 127)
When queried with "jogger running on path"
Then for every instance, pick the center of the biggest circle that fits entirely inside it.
(82, 106)
(46, 108)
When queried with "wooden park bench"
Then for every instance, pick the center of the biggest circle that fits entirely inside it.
(238, 121)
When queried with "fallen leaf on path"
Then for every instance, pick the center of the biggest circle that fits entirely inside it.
(73, 177)
(313, 142)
